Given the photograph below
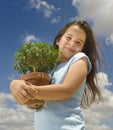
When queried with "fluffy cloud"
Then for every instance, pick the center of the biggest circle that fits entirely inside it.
(98, 12)
(55, 20)
(13, 116)
(46, 8)
(109, 40)
(97, 114)
(29, 38)
(16, 117)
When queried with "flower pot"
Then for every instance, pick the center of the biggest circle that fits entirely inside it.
(38, 79)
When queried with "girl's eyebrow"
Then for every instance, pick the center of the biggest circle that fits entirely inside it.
(70, 34)
(78, 39)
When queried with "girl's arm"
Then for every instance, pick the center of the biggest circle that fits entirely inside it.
(75, 75)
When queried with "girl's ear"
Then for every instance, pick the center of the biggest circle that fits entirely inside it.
(57, 42)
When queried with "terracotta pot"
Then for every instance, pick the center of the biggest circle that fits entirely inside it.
(38, 79)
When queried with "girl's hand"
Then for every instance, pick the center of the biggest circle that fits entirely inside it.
(18, 89)
(31, 89)
(33, 103)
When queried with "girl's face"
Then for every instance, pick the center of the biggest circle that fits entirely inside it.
(71, 42)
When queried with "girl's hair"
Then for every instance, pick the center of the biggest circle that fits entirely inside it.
(91, 92)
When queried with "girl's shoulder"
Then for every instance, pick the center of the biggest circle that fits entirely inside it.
(78, 56)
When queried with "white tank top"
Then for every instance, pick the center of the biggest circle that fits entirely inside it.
(66, 114)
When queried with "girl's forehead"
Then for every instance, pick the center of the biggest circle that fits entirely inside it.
(75, 29)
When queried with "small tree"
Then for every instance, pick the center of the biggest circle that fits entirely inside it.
(35, 57)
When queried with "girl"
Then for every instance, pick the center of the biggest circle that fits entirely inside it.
(73, 81)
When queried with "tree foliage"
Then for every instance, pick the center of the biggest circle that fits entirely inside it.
(35, 57)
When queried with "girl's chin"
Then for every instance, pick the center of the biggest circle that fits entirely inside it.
(64, 59)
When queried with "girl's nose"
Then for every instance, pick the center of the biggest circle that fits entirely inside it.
(72, 43)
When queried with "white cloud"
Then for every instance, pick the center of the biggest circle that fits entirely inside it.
(97, 115)
(109, 40)
(98, 127)
(44, 7)
(55, 20)
(13, 116)
(29, 38)
(16, 117)
(99, 12)
(103, 80)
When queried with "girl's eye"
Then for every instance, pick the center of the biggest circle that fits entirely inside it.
(78, 43)
(68, 38)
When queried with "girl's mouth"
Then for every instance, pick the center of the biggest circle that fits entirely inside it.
(69, 49)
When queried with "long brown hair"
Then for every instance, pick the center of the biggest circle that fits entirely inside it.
(91, 92)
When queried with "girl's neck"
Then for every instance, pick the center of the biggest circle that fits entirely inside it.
(62, 59)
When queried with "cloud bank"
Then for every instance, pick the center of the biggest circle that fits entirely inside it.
(98, 12)
(16, 117)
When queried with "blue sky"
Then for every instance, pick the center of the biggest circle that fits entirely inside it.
(40, 20)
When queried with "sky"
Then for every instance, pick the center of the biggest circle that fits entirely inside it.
(39, 20)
